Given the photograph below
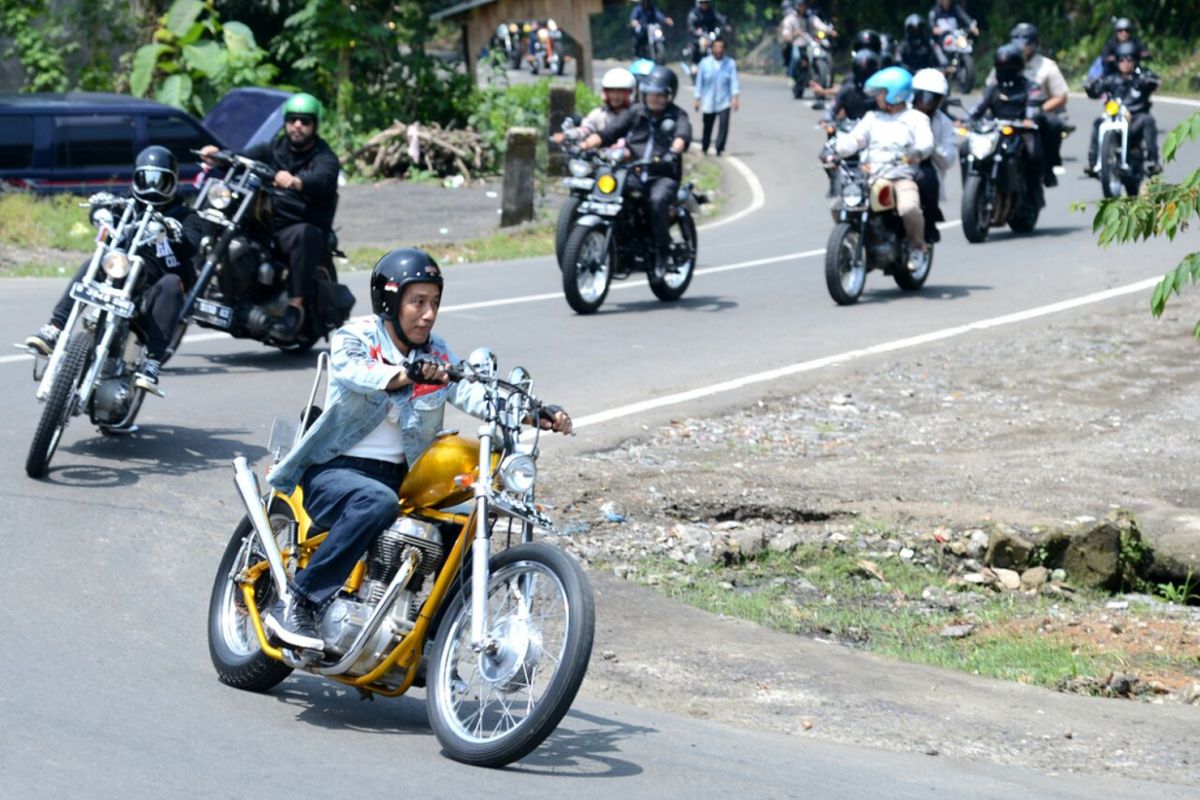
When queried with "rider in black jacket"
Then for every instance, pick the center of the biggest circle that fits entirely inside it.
(657, 128)
(169, 263)
(306, 177)
(1122, 33)
(1133, 86)
(1015, 97)
(701, 20)
(917, 51)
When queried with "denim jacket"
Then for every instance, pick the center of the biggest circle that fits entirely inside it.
(356, 401)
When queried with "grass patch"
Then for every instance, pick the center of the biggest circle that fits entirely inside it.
(30, 222)
(821, 590)
(36, 269)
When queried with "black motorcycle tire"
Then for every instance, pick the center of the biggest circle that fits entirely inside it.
(842, 244)
(251, 671)
(1110, 166)
(824, 73)
(966, 73)
(560, 691)
(56, 412)
(572, 252)
(1024, 216)
(665, 292)
(975, 217)
(566, 220)
(797, 89)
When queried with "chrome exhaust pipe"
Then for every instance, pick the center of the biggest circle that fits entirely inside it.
(247, 484)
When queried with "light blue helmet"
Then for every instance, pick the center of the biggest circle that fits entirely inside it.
(896, 81)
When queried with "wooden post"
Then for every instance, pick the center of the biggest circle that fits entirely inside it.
(562, 105)
(519, 158)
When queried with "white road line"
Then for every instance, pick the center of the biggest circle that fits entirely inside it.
(854, 355)
(758, 197)
(536, 298)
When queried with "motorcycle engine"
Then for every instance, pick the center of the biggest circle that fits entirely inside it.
(883, 247)
(345, 617)
(112, 399)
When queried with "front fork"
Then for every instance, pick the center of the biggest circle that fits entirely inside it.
(480, 548)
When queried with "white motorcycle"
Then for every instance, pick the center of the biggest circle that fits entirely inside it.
(1118, 165)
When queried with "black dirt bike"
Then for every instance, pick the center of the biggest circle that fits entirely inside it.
(242, 286)
(612, 239)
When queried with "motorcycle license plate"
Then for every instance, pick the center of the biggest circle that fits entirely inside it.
(211, 313)
(99, 296)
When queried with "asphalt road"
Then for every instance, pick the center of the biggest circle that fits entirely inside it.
(107, 690)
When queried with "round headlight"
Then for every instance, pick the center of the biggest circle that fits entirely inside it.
(1111, 108)
(852, 195)
(102, 218)
(115, 265)
(607, 184)
(219, 196)
(579, 168)
(519, 472)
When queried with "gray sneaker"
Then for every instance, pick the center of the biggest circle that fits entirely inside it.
(296, 625)
(44, 340)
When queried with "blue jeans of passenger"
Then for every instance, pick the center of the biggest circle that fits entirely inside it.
(355, 500)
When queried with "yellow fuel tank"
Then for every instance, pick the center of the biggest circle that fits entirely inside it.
(430, 481)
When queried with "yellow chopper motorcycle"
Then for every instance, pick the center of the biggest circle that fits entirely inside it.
(455, 595)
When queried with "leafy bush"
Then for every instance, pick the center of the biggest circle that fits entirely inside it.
(526, 105)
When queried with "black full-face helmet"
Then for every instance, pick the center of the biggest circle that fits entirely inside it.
(866, 39)
(866, 64)
(662, 80)
(915, 27)
(155, 175)
(1010, 62)
(395, 270)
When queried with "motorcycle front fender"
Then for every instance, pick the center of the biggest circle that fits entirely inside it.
(592, 221)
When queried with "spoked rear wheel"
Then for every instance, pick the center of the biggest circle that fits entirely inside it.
(912, 281)
(586, 269)
(845, 276)
(684, 247)
(232, 641)
(493, 707)
(60, 404)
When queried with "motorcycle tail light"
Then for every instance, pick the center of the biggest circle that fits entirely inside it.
(1112, 107)
(607, 184)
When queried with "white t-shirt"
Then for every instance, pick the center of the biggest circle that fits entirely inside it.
(385, 443)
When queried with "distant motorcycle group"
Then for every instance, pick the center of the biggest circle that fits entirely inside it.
(538, 43)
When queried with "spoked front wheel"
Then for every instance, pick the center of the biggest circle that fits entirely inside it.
(845, 275)
(494, 706)
(684, 247)
(586, 271)
(60, 404)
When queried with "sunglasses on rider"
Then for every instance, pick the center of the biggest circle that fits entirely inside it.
(304, 119)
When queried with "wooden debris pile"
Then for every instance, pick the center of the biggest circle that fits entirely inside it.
(393, 151)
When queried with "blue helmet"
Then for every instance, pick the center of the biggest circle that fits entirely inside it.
(896, 81)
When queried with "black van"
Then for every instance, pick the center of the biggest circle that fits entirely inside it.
(85, 142)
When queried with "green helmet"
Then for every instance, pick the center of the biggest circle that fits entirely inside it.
(303, 103)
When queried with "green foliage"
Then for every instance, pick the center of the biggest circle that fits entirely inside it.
(194, 58)
(32, 223)
(1183, 593)
(38, 44)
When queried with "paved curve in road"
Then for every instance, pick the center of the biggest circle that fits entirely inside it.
(107, 690)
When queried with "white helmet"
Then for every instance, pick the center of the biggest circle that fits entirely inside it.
(619, 78)
(930, 80)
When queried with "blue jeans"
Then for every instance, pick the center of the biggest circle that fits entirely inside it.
(355, 499)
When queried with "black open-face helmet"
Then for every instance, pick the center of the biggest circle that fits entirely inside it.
(866, 64)
(662, 80)
(866, 39)
(395, 270)
(1010, 62)
(155, 175)
(1128, 50)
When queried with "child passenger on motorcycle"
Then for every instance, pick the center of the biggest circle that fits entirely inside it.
(617, 87)
(1133, 86)
(893, 140)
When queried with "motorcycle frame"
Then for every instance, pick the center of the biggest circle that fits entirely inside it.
(1119, 124)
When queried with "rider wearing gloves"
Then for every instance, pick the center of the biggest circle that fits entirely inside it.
(1014, 96)
(307, 176)
(387, 394)
(918, 52)
(893, 140)
(929, 90)
(1122, 34)
(617, 88)
(1053, 94)
(168, 271)
(658, 131)
(1133, 86)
